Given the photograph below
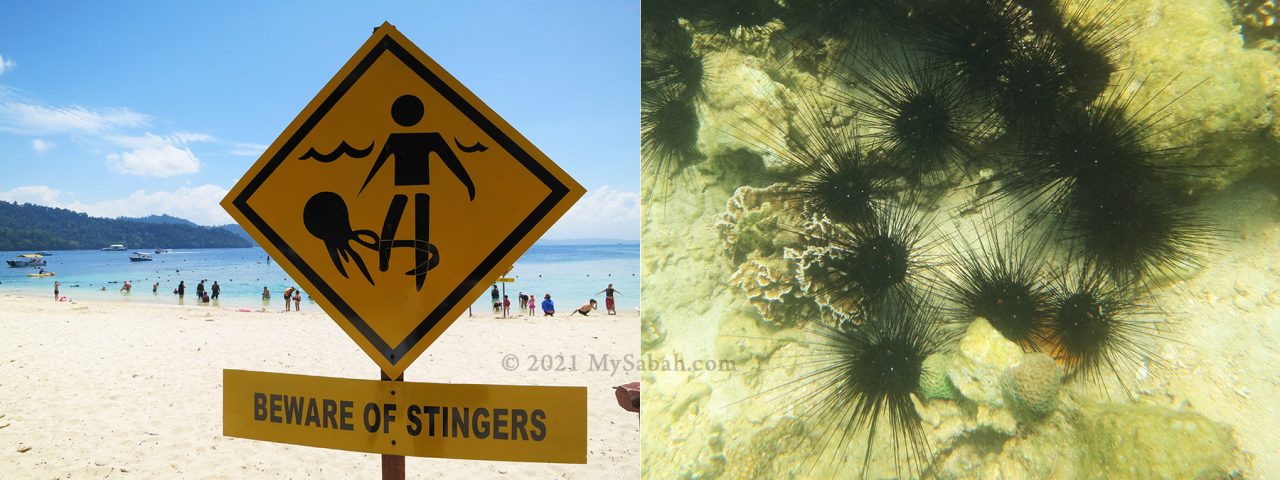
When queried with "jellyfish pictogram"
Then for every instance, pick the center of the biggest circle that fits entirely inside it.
(326, 218)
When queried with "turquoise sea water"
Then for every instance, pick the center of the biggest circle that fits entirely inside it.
(572, 274)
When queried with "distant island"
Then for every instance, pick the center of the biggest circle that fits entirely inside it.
(36, 227)
(587, 241)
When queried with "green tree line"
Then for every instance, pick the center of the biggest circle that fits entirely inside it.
(35, 227)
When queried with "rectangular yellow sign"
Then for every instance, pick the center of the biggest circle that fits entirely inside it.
(506, 279)
(477, 422)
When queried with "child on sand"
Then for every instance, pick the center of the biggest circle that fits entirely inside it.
(506, 306)
(297, 300)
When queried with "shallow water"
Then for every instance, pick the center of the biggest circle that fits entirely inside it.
(570, 273)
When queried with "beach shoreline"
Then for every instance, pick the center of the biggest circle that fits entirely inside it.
(572, 274)
(97, 388)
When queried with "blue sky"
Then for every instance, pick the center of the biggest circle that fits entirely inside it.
(98, 100)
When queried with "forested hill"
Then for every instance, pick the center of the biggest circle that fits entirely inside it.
(35, 227)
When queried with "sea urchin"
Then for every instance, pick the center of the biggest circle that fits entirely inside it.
(866, 375)
(1097, 326)
(1000, 278)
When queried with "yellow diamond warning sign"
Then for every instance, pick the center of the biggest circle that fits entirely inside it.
(397, 197)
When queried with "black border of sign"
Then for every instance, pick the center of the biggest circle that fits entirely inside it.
(558, 192)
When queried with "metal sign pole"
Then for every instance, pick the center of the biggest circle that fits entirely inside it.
(392, 465)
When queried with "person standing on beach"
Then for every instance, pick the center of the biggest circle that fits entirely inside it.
(215, 290)
(524, 300)
(531, 304)
(288, 295)
(494, 293)
(182, 288)
(608, 298)
(56, 284)
(548, 306)
(200, 289)
(266, 295)
(297, 300)
(506, 306)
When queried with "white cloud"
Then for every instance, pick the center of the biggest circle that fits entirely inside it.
(33, 119)
(41, 145)
(37, 194)
(6, 64)
(151, 140)
(248, 149)
(163, 160)
(601, 213)
(183, 138)
(152, 155)
(198, 204)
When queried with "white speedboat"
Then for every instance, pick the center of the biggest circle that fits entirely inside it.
(27, 260)
(139, 257)
(115, 247)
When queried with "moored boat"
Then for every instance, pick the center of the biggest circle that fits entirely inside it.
(27, 260)
(140, 257)
(115, 247)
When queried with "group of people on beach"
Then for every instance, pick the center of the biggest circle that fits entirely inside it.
(502, 303)
(291, 293)
(203, 295)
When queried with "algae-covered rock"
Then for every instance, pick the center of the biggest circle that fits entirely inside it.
(1142, 441)
(781, 450)
(741, 110)
(1031, 386)
(933, 380)
(651, 332)
(981, 357)
(1187, 59)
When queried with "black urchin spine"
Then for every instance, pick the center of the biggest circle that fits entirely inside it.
(1000, 277)
(867, 375)
(1097, 328)
(921, 119)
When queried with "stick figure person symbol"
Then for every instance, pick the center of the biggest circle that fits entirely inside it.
(326, 215)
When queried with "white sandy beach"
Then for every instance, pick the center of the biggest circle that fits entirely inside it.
(97, 390)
